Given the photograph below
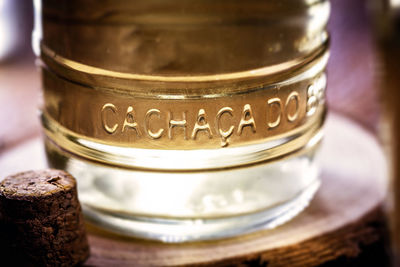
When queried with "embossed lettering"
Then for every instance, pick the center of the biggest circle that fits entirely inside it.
(201, 124)
(295, 96)
(312, 100)
(108, 129)
(154, 135)
(246, 120)
(130, 122)
(233, 123)
(172, 123)
(224, 134)
(275, 102)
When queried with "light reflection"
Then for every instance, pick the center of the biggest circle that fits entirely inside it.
(395, 3)
(37, 27)
(8, 37)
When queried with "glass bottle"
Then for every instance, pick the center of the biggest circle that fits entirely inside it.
(185, 120)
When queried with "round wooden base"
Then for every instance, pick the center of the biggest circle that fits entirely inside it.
(344, 216)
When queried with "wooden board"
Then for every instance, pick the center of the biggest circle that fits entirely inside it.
(336, 224)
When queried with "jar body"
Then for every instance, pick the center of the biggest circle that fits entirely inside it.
(185, 121)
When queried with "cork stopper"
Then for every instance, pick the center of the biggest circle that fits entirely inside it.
(38, 184)
(41, 222)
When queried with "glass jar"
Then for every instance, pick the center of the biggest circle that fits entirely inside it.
(185, 120)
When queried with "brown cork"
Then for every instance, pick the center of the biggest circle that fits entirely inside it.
(41, 222)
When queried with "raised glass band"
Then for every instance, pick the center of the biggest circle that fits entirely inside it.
(129, 129)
